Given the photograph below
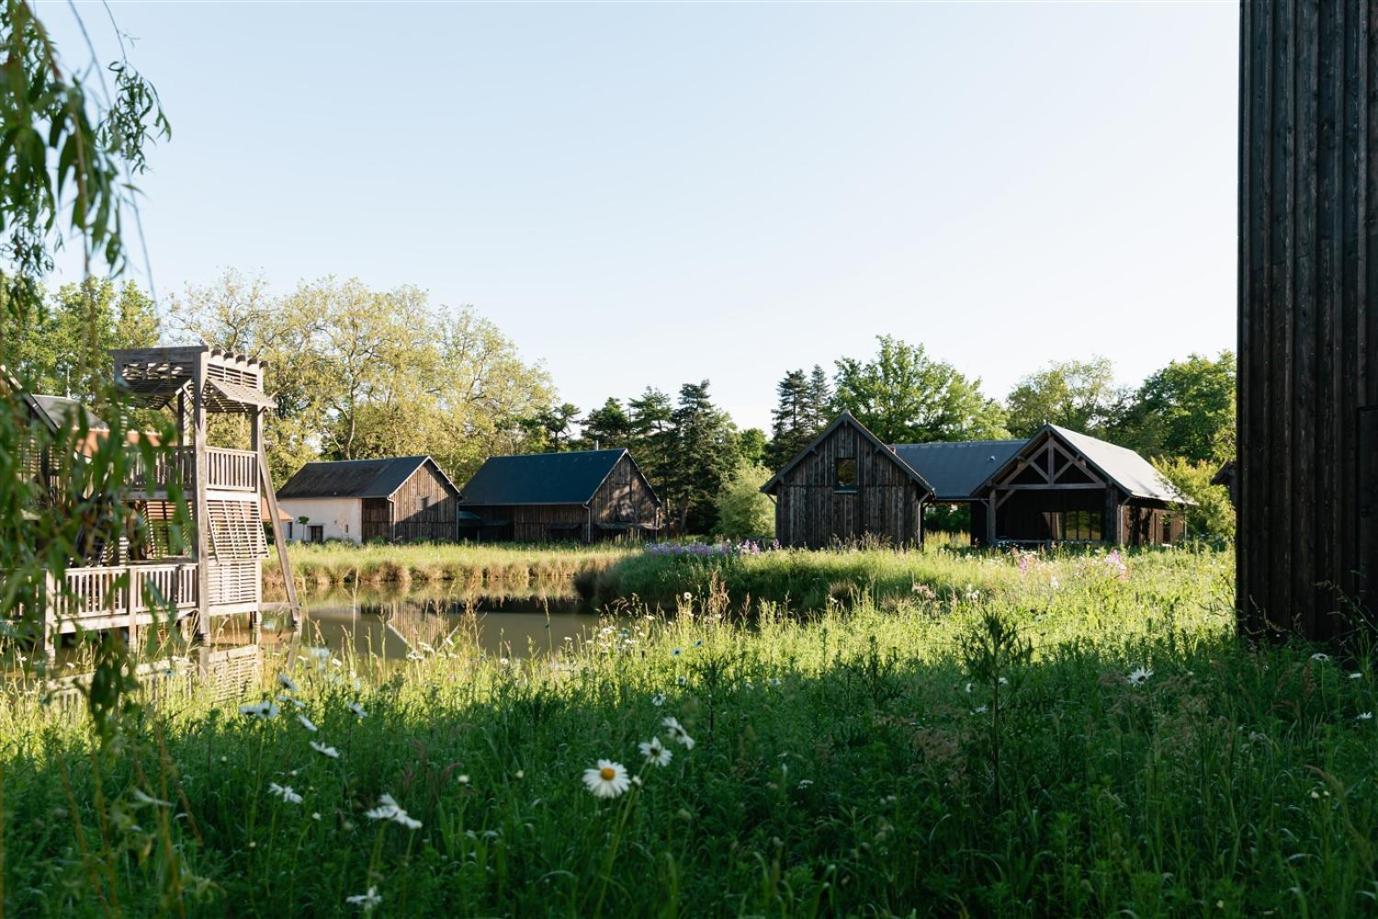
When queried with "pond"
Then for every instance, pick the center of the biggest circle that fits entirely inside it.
(390, 625)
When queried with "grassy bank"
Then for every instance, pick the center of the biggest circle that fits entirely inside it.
(468, 568)
(808, 580)
(922, 757)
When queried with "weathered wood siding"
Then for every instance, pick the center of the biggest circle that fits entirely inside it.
(624, 498)
(425, 507)
(422, 508)
(1308, 322)
(549, 522)
(886, 504)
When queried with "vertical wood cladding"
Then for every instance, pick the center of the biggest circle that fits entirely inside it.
(422, 508)
(886, 503)
(1308, 384)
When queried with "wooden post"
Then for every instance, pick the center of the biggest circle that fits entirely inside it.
(200, 516)
(1308, 317)
(1111, 530)
(990, 520)
(279, 541)
(49, 617)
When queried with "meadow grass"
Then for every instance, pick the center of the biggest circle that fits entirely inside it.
(1063, 737)
(461, 566)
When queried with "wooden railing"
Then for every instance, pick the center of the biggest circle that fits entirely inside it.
(98, 591)
(236, 470)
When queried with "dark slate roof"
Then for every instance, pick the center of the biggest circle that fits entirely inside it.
(956, 468)
(540, 478)
(59, 409)
(369, 478)
(1126, 468)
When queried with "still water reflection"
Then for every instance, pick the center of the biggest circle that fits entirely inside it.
(393, 625)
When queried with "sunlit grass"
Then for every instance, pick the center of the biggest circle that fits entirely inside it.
(465, 567)
(976, 747)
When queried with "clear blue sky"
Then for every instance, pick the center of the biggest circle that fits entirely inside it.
(651, 194)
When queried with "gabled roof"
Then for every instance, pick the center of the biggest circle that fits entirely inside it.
(847, 418)
(1129, 471)
(543, 478)
(368, 478)
(957, 468)
(59, 410)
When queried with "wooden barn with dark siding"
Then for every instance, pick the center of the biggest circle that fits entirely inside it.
(1058, 486)
(846, 486)
(1066, 487)
(399, 499)
(584, 495)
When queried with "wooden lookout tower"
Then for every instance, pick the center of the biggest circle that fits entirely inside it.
(227, 490)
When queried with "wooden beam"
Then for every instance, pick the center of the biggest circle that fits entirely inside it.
(279, 541)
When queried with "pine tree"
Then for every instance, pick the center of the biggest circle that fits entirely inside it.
(705, 454)
(818, 407)
(607, 427)
(789, 419)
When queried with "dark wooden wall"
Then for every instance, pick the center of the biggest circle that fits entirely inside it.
(1308, 325)
(810, 511)
(404, 519)
(625, 497)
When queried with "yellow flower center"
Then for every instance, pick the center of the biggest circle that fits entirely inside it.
(607, 773)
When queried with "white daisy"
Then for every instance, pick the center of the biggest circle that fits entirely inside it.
(358, 710)
(324, 750)
(463, 780)
(1364, 716)
(655, 752)
(265, 710)
(676, 652)
(388, 809)
(1139, 676)
(365, 901)
(141, 797)
(284, 792)
(1320, 656)
(681, 680)
(306, 723)
(677, 732)
(287, 683)
(1356, 675)
(658, 699)
(607, 779)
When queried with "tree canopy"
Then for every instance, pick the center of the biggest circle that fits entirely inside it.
(1080, 395)
(905, 396)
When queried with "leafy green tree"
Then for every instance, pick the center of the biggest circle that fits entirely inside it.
(63, 351)
(751, 445)
(905, 396)
(1080, 395)
(1213, 515)
(705, 453)
(743, 511)
(1187, 409)
(361, 373)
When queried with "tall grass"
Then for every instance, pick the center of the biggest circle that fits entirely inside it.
(982, 751)
(469, 567)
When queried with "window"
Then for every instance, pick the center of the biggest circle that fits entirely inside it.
(287, 530)
(315, 533)
(1073, 526)
(844, 472)
(425, 503)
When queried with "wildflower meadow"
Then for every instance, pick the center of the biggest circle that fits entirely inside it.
(1013, 735)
